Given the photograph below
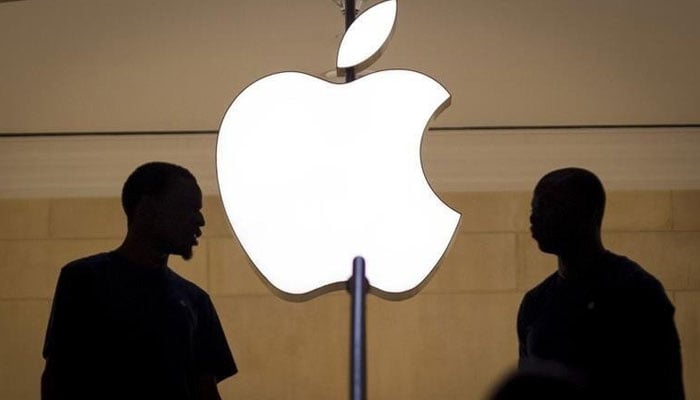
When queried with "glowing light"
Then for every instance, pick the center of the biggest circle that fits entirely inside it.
(307, 189)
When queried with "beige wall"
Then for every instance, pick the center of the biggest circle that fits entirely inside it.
(130, 65)
(454, 340)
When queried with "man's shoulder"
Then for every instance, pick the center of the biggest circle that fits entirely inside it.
(185, 286)
(87, 264)
(543, 288)
(636, 284)
(538, 297)
(628, 274)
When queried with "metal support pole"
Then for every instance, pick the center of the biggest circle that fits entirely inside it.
(358, 287)
(349, 19)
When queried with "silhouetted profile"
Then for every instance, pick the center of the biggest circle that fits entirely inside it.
(123, 324)
(600, 314)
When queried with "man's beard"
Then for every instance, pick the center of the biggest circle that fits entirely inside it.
(186, 254)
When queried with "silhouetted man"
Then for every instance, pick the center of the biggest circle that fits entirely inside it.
(600, 315)
(123, 324)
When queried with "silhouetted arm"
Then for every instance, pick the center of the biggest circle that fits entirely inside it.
(215, 361)
(657, 357)
(664, 363)
(522, 328)
(67, 338)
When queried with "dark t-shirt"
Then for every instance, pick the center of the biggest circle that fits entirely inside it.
(615, 332)
(123, 331)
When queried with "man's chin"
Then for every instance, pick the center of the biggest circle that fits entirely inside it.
(546, 247)
(548, 250)
(186, 254)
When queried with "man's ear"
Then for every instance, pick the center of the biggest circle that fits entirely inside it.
(146, 208)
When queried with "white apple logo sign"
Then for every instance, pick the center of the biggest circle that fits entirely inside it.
(306, 189)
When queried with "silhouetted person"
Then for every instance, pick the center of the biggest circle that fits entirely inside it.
(123, 324)
(600, 314)
(541, 381)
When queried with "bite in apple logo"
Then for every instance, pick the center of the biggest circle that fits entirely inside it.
(307, 189)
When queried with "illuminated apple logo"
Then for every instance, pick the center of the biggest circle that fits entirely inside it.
(308, 187)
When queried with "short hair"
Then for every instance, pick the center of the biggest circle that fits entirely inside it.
(581, 186)
(149, 179)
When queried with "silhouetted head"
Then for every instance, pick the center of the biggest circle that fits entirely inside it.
(567, 210)
(163, 202)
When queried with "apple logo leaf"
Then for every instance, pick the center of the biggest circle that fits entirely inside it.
(367, 34)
